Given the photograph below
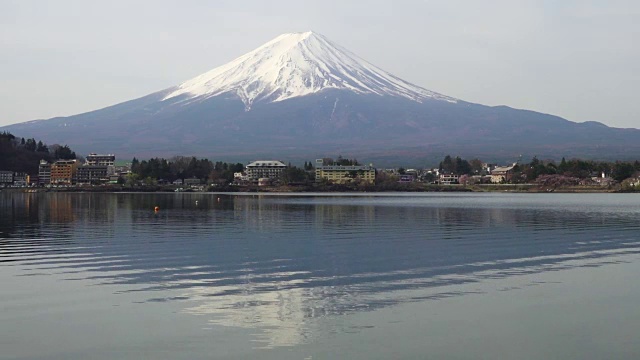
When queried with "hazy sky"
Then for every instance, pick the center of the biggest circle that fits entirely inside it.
(579, 59)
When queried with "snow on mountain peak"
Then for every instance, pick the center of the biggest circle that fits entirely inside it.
(298, 64)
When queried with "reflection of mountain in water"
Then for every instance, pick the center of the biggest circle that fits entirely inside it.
(282, 264)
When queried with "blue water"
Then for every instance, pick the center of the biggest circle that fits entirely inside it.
(315, 276)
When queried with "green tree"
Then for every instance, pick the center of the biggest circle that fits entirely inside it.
(308, 166)
(64, 153)
(293, 174)
(135, 165)
(562, 168)
(457, 166)
(622, 171)
(476, 166)
(132, 179)
(31, 145)
(447, 166)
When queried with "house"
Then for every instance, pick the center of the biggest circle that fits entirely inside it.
(406, 179)
(342, 174)
(271, 169)
(448, 179)
(502, 174)
(240, 177)
(192, 181)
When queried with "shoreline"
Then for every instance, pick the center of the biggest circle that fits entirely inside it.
(409, 188)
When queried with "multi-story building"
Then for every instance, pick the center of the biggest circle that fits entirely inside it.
(448, 179)
(271, 169)
(107, 160)
(502, 173)
(92, 174)
(96, 159)
(20, 180)
(6, 178)
(342, 174)
(63, 172)
(44, 173)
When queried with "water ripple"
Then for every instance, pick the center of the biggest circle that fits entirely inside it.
(281, 264)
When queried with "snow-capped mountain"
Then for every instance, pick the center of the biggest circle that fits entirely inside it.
(300, 96)
(298, 64)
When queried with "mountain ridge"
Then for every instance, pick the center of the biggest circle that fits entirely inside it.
(242, 110)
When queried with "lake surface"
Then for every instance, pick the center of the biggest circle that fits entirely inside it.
(246, 276)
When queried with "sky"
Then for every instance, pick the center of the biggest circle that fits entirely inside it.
(578, 59)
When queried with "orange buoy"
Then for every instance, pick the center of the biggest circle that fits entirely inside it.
(157, 208)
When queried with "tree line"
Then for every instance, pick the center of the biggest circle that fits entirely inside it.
(182, 167)
(577, 168)
(528, 172)
(24, 155)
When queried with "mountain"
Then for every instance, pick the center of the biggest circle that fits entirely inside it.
(294, 65)
(300, 96)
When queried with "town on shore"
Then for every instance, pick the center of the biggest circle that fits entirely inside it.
(33, 166)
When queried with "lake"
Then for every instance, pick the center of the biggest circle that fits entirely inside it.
(319, 276)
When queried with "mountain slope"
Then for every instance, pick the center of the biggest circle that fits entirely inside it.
(301, 96)
(298, 64)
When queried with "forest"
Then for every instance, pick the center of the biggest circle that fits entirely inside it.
(24, 155)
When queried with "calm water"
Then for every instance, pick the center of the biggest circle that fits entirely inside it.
(214, 276)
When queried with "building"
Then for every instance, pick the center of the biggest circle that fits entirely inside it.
(108, 160)
(502, 174)
(92, 174)
(192, 181)
(21, 180)
(63, 172)
(271, 169)
(6, 178)
(44, 173)
(95, 159)
(448, 179)
(406, 178)
(342, 174)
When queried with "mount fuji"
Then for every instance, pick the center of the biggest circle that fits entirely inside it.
(294, 65)
(300, 96)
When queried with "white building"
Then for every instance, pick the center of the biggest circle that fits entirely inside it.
(6, 177)
(44, 173)
(107, 161)
(104, 160)
(271, 169)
